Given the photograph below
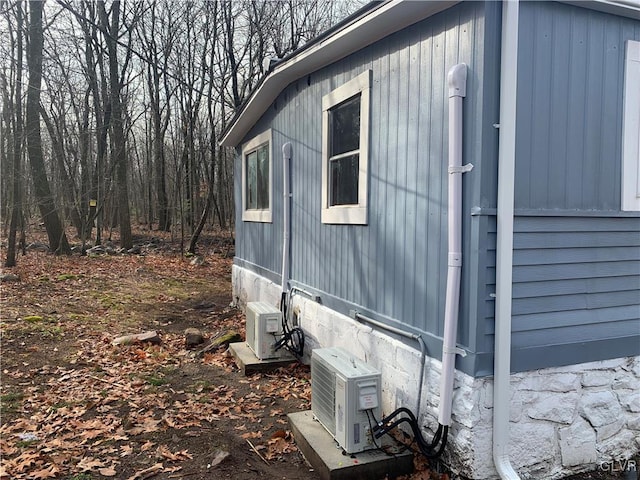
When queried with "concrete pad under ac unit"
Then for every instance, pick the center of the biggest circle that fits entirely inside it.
(249, 364)
(324, 455)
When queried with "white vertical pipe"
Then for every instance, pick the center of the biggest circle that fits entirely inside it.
(457, 80)
(286, 207)
(504, 247)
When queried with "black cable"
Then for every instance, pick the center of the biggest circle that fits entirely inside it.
(428, 449)
(283, 307)
(374, 438)
(291, 339)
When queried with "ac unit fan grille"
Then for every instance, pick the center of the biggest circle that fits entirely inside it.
(323, 393)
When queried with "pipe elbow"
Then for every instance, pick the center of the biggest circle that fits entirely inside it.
(504, 467)
(287, 150)
(457, 80)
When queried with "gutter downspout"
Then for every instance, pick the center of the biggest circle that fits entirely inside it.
(457, 80)
(292, 338)
(286, 207)
(504, 247)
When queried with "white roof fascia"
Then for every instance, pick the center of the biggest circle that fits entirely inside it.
(623, 8)
(379, 23)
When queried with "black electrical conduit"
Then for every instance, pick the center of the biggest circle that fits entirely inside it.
(423, 347)
(427, 449)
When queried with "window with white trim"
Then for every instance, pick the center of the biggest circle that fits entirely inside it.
(631, 129)
(256, 179)
(345, 151)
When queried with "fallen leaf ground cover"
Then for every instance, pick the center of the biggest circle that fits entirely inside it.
(73, 406)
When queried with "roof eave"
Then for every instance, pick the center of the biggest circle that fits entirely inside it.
(376, 24)
(624, 8)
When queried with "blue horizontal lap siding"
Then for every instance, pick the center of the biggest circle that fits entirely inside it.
(580, 287)
(605, 285)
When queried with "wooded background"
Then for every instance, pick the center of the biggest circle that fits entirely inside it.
(111, 111)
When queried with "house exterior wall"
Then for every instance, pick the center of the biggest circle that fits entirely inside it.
(366, 268)
(576, 358)
(563, 420)
(570, 234)
(576, 255)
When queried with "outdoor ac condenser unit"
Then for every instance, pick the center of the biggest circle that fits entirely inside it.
(342, 390)
(264, 327)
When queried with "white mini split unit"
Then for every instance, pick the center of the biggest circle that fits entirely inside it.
(264, 328)
(342, 390)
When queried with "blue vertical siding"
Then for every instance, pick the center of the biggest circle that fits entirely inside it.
(576, 257)
(394, 267)
(569, 121)
(258, 243)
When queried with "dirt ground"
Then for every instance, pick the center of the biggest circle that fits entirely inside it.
(76, 407)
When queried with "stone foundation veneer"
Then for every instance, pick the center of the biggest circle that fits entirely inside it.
(563, 420)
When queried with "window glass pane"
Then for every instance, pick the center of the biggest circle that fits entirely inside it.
(252, 179)
(257, 188)
(345, 127)
(344, 180)
(263, 177)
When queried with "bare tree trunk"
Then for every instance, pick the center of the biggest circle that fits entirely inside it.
(68, 193)
(158, 53)
(55, 231)
(118, 140)
(227, 11)
(6, 146)
(102, 109)
(16, 166)
(195, 236)
(88, 203)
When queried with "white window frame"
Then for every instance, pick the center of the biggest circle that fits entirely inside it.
(631, 129)
(257, 215)
(355, 214)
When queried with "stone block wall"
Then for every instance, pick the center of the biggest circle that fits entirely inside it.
(563, 420)
(591, 411)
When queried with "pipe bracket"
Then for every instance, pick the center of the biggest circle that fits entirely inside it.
(461, 169)
(455, 351)
(454, 259)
